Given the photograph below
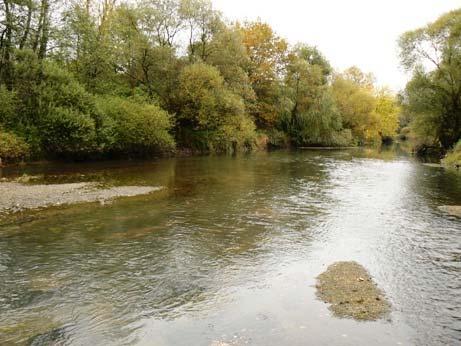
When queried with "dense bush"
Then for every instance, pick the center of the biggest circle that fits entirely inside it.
(8, 106)
(277, 138)
(80, 80)
(133, 127)
(12, 147)
(216, 113)
(237, 135)
(67, 132)
(66, 114)
(453, 157)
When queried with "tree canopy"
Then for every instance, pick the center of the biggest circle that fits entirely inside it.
(98, 78)
(433, 96)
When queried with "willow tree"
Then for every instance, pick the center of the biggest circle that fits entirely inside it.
(211, 115)
(433, 54)
(311, 116)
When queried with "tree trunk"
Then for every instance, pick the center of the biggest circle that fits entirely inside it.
(45, 29)
(88, 7)
(27, 27)
(38, 31)
(5, 62)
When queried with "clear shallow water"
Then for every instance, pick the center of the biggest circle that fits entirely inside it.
(229, 252)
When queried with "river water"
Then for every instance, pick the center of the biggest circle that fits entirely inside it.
(228, 253)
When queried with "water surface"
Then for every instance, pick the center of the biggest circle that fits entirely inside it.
(229, 252)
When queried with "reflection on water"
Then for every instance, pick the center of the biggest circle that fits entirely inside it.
(229, 252)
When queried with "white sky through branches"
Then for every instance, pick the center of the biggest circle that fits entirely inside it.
(354, 32)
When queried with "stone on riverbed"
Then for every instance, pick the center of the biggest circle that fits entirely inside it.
(350, 290)
(453, 210)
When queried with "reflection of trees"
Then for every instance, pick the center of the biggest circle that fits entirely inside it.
(435, 185)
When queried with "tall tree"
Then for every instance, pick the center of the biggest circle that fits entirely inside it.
(312, 118)
(6, 45)
(433, 54)
(268, 58)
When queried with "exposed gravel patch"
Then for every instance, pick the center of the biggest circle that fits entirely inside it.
(453, 210)
(433, 165)
(350, 290)
(15, 197)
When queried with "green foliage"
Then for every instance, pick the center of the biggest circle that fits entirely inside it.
(388, 111)
(278, 138)
(357, 104)
(433, 95)
(90, 79)
(268, 55)
(236, 135)
(67, 132)
(133, 127)
(453, 158)
(208, 106)
(228, 54)
(12, 147)
(65, 114)
(8, 106)
(320, 125)
(311, 115)
(203, 96)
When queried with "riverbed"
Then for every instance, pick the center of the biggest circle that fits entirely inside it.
(228, 252)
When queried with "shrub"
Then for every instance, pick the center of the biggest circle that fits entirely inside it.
(8, 104)
(453, 158)
(278, 139)
(67, 132)
(213, 117)
(12, 147)
(136, 128)
(237, 135)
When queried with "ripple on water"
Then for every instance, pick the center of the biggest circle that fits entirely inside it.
(236, 243)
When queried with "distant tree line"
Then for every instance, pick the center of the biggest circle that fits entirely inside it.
(103, 78)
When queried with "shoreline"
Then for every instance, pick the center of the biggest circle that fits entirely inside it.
(180, 153)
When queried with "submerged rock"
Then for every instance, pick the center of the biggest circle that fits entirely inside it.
(453, 210)
(53, 337)
(350, 290)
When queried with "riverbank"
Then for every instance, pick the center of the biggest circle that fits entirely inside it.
(16, 196)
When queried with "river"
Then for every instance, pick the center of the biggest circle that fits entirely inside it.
(228, 253)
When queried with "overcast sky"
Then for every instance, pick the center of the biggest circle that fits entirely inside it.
(353, 32)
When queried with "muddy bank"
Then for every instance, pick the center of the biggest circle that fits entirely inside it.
(453, 210)
(350, 290)
(15, 197)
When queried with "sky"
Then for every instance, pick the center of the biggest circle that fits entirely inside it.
(363, 33)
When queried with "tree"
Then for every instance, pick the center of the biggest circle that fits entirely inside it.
(201, 21)
(161, 21)
(211, 112)
(205, 98)
(268, 58)
(355, 99)
(228, 54)
(312, 117)
(388, 112)
(433, 54)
